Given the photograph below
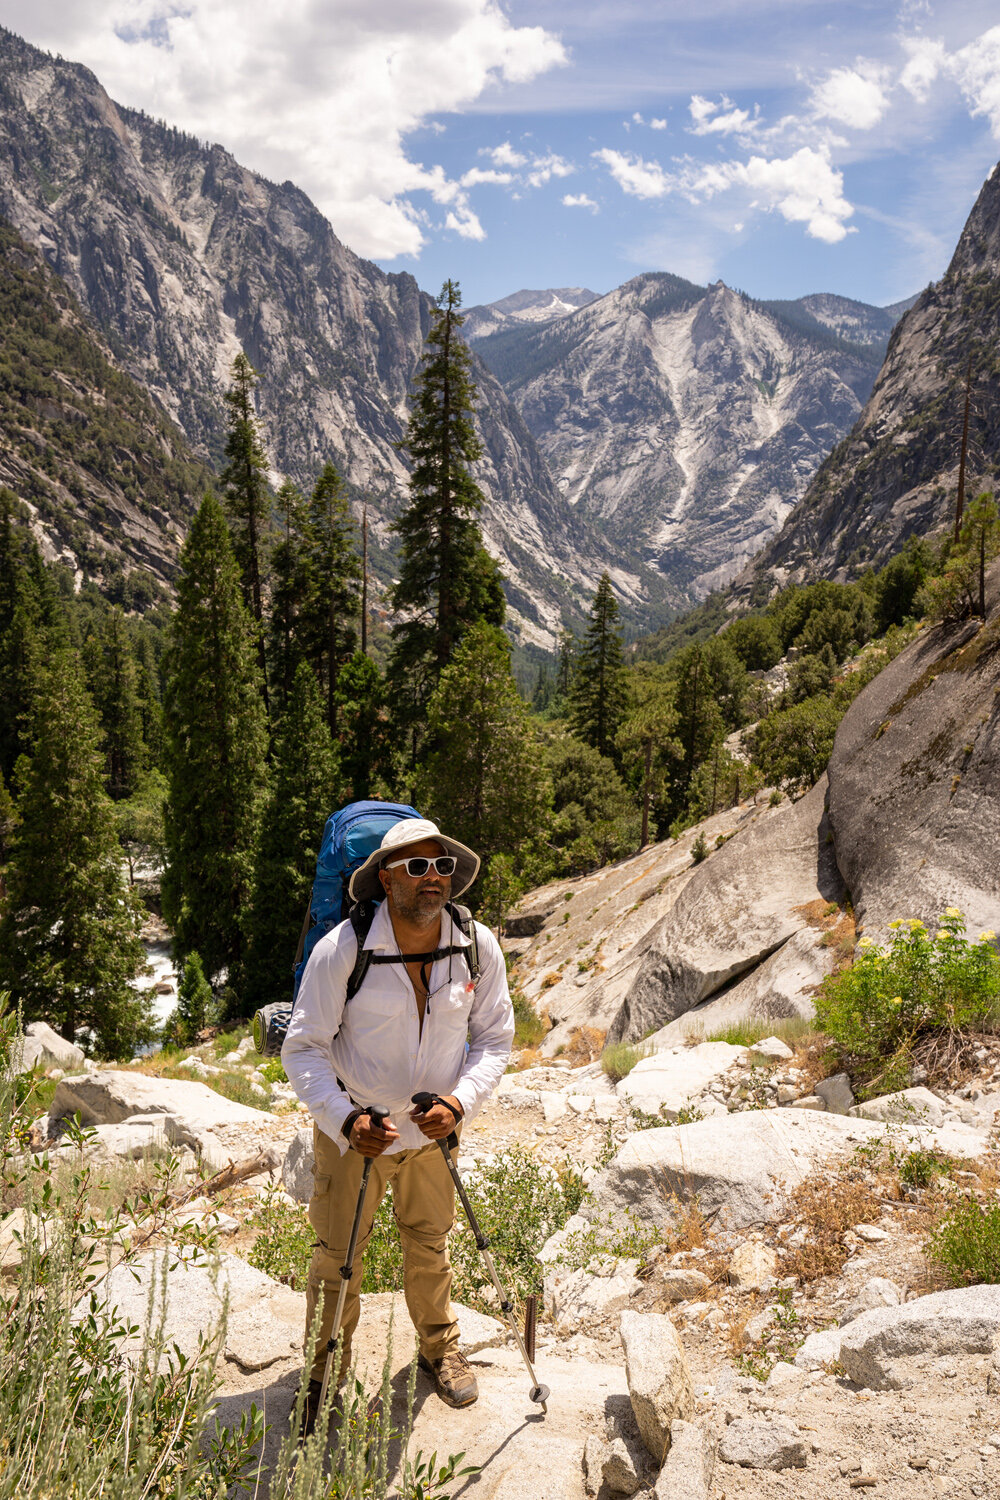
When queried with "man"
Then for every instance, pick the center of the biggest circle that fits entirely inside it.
(415, 1025)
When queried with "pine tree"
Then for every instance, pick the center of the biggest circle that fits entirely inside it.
(597, 688)
(194, 1005)
(244, 482)
(305, 789)
(364, 732)
(333, 575)
(485, 779)
(646, 740)
(289, 587)
(446, 578)
(215, 744)
(69, 937)
(112, 678)
(21, 629)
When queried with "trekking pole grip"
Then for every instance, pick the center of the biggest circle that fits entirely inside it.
(425, 1101)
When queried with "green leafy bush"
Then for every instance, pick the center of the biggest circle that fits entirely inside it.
(529, 1028)
(920, 989)
(966, 1244)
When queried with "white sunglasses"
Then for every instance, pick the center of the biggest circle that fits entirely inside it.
(419, 864)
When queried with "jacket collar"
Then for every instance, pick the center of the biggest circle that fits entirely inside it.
(382, 939)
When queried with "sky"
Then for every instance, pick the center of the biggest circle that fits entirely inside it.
(783, 146)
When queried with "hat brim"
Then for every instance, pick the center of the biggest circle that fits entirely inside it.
(366, 886)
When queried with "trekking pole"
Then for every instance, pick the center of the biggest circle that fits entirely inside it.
(376, 1115)
(539, 1394)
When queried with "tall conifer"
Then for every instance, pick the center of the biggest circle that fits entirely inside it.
(112, 678)
(329, 611)
(21, 646)
(69, 937)
(446, 578)
(289, 587)
(364, 733)
(215, 744)
(244, 482)
(305, 789)
(597, 688)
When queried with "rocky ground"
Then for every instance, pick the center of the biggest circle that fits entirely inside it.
(791, 1336)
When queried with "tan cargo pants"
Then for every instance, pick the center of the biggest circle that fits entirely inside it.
(423, 1202)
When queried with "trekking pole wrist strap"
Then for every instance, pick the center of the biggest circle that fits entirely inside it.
(350, 1122)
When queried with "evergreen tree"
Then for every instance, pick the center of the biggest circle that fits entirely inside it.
(289, 587)
(215, 744)
(21, 628)
(112, 678)
(597, 688)
(333, 576)
(8, 822)
(194, 1005)
(69, 936)
(485, 778)
(364, 731)
(646, 738)
(244, 483)
(305, 789)
(147, 686)
(446, 578)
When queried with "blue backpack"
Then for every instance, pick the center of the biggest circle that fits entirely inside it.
(351, 834)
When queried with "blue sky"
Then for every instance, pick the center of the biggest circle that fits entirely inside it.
(782, 145)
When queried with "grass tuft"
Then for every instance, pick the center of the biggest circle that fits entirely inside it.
(618, 1059)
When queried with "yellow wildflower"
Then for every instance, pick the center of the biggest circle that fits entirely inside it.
(896, 1000)
(952, 911)
(894, 926)
(942, 932)
(866, 942)
(988, 936)
(915, 924)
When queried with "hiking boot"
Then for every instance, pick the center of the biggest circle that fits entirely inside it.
(310, 1409)
(453, 1378)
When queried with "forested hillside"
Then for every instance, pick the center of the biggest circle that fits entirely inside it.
(109, 480)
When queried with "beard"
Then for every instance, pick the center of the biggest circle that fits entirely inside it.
(421, 907)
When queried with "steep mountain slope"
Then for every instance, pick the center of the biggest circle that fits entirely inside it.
(688, 421)
(109, 480)
(896, 473)
(525, 307)
(182, 257)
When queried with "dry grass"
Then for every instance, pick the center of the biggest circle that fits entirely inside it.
(529, 1057)
(585, 1045)
(837, 926)
(826, 1208)
(551, 978)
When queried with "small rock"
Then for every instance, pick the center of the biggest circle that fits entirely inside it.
(687, 1473)
(606, 1108)
(682, 1285)
(787, 1093)
(784, 1376)
(819, 1350)
(808, 1101)
(619, 1471)
(770, 1050)
(595, 1451)
(836, 1093)
(872, 1234)
(757, 1443)
(963, 1321)
(758, 1326)
(297, 1168)
(753, 1264)
(580, 1104)
(877, 1292)
(553, 1106)
(911, 1106)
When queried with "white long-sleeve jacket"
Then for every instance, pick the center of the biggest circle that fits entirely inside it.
(371, 1050)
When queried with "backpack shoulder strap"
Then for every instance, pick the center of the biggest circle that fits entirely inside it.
(361, 918)
(462, 917)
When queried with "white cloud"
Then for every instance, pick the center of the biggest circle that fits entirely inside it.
(977, 71)
(545, 167)
(475, 175)
(852, 97)
(925, 61)
(638, 178)
(655, 124)
(323, 94)
(579, 200)
(805, 188)
(504, 155)
(720, 119)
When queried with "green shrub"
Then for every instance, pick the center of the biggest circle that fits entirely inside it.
(919, 987)
(699, 849)
(238, 1088)
(619, 1058)
(641, 1119)
(273, 1071)
(284, 1243)
(920, 1167)
(966, 1244)
(529, 1028)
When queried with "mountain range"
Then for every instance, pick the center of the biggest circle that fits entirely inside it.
(669, 433)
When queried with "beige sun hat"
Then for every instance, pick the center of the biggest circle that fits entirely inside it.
(365, 884)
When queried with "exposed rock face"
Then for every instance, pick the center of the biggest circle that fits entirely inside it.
(182, 257)
(688, 419)
(915, 781)
(739, 907)
(659, 1380)
(895, 474)
(525, 308)
(44, 1048)
(113, 1095)
(963, 1321)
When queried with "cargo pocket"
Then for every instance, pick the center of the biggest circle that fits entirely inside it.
(319, 1208)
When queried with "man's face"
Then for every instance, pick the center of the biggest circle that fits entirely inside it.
(417, 899)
